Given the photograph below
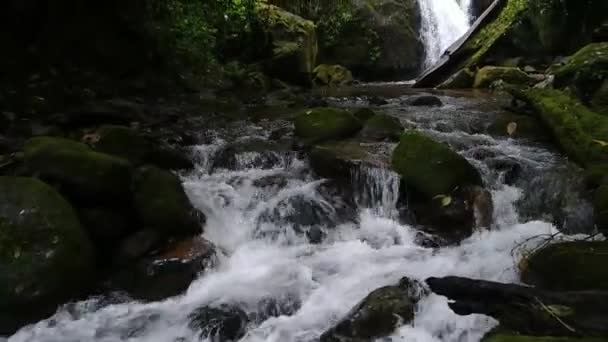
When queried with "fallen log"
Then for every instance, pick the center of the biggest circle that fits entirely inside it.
(527, 310)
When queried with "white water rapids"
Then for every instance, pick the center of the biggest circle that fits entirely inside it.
(264, 258)
(443, 22)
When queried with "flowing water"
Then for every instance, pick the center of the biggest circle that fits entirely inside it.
(253, 214)
(443, 22)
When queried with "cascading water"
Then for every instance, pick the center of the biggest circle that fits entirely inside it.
(443, 22)
(254, 218)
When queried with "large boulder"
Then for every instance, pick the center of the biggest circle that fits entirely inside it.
(322, 124)
(430, 167)
(332, 75)
(378, 314)
(568, 266)
(45, 255)
(585, 73)
(290, 44)
(490, 74)
(79, 171)
(161, 204)
(381, 127)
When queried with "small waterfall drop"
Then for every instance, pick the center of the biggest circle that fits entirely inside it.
(443, 22)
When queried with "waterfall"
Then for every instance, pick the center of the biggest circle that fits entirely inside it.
(443, 22)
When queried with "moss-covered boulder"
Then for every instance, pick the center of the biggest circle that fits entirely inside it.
(430, 167)
(130, 144)
(364, 114)
(378, 314)
(568, 266)
(45, 255)
(381, 127)
(161, 203)
(585, 72)
(290, 43)
(332, 75)
(519, 126)
(490, 74)
(462, 79)
(79, 171)
(507, 337)
(321, 124)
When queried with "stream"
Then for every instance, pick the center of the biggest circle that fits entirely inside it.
(263, 209)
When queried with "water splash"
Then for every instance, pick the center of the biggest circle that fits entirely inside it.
(443, 22)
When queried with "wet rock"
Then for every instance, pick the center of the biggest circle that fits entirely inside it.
(519, 126)
(377, 101)
(364, 114)
(161, 204)
(432, 168)
(462, 79)
(379, 314)
(129, 144)
(166, 274)
(513, 337)
(600, 205)
(222, 324)
(322, 124)
(80, 172)
(381, 127)
(568, 266)
(105, 226)
(426, 101)
(284, 305)
(137, 245)
(45, 255)
(490, 74)
(252, 153)
(332, 75)
(315, 235)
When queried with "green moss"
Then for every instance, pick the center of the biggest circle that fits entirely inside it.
(382, 127)
(45, 256)
(364, 114)
(79, 171)
(326, 74)
(489, 74)
(585, 72)
(321, 124)
(430, 167)
(161, 203)
(123, 142)
(568, 266)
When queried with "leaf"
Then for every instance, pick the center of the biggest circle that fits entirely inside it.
(17, 253)
(511, 128)
(600, 142)
(445, 200)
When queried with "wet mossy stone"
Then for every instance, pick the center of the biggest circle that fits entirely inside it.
(322, 124)
(381, 127)
(222, 324)
(161, 203)
(519, 126)
(511, 337)
(130, 144)
(490, 74)
(378, 314)
(364, 114)
(332, 75)
(425, 101)
(45, 255)
(568, 266)
(585, 72)
(430, 167)
(79, 171)
(462, 79)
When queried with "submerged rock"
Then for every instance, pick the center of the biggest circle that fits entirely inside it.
(425, 101)
(568, 266)
(430, 167)
(487, 75)
(161, 204)
(252, 153)
(322, 124)
(220, 324)
(45, 255)
(79, 171)
(332, 75)
(379, 314)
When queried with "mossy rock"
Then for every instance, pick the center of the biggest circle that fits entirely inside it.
(332, 75)
(599, 101)
(506, 337)
(585, 72)
(161, 203)
(45, 255)
(79, 171)
(430, 167)
(130, 144)
(568, 266)
(364, 114)
(600, 204)
(322, 124)
(490, 74)
(292, 44)
(519, 126)
(381, 127)
(462, 79)
(378, 314)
